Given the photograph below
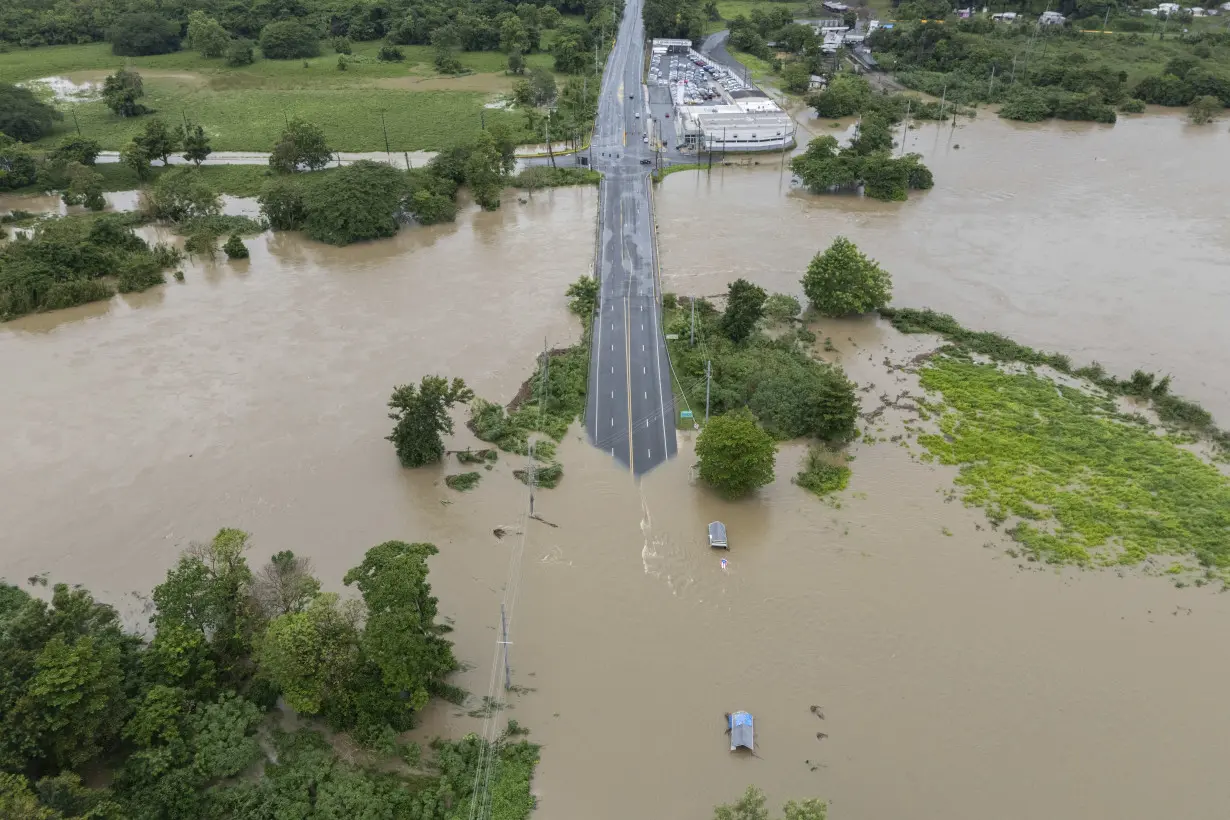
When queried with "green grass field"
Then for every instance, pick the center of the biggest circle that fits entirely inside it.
(244, 109)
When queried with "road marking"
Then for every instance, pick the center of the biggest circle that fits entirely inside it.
(612, 373)
(646, 396)
(612, 344)
(642, 327)
(612, 394)
(628, 373)
(643, 368)
(642, 348)
(650, 452)
(612, 421)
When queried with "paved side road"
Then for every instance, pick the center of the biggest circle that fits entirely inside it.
(631, 410)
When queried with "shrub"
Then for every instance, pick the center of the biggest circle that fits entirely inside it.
(206, 35)
(180, 194)
(121, 91)
(1132, 105)
(462, 481)
(282, 204)
(781, 307)
(17, 165)
(821, 477)
(234, 248)
(141, 34)
(288, 40)
(390, 54)
(302, 144)
(342, 45)
(1204, 110)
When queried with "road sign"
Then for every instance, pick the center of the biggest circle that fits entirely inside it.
(685, 414)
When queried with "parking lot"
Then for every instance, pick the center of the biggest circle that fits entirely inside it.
(692, 79)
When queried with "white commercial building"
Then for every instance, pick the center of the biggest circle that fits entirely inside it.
(755, 125)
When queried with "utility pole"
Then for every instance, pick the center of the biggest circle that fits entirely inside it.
(693, 341)
(385, 128)
(991, 87)
(905, 127)
(708, 378)
(1106, 18)
(504, 633)
(74, 110)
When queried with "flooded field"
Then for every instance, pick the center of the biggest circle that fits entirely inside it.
(955, 681)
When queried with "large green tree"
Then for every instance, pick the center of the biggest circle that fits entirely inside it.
(736, 456)
(421, 415)
(289, 40)
(841, 281)
(157, 140)
(208, 593)
(485, 172)
(195, 143)
(180, 194)
(142, 33)
(302, 145)
(356, 203)
(744, 307)
(23, 116)
(401, 635)
(206, 35)
(121, 91)
(311, 655)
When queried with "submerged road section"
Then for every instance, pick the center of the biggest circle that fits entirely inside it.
(631, 410)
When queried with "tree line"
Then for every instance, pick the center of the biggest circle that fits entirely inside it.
(977, 60)
(763, 387)
(178, 713)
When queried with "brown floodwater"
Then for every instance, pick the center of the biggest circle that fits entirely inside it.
(1108, 243)
(955, 680)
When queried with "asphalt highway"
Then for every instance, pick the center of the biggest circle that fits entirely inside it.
(631, 410)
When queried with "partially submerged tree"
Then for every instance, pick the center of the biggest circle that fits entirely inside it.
(753, 805)
(841, 281)
(234, 248)
(421, 415)
(355, 203)
(485, 172)
(181, 194)
(1205, 109)
(736, 455)
(744, 307)
(285, 584)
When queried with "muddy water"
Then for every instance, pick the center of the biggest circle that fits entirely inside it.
(1106, 243)
(956, 681)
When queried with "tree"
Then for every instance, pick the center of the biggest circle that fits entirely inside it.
(342, 45)
(842, 281)
(401, 635)
(240, 53)
(795, 397)
(75, 149)
(121, 91)
(446, 40)
(513, 35)
(181, 194)
(85, 187)
(358, 202)
(390, 54)
(736, 456)
(874, 134)
(195, 143)
(282, 204)
(1204, 110)
(311, 655)
(796, 77)
(157, 140)
(781, 307)
(206, 35)
(744, 307)
(134, 156)
(208, 592)
(516, 62)
(302, 144)
(542, 86)
(753, 806)
(140, 34)
(288, 40)
(485, 172)
(17, 165)
(421, 415)
(23, 116)
(845, 96)
(17, 802)
(569, 50)
(234, 248)
(583, 297)
(285, 585)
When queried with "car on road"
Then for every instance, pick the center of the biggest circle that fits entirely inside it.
(646, 162)
(645, 139)
(637, 115)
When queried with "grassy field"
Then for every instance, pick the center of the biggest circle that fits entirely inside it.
(244, 109)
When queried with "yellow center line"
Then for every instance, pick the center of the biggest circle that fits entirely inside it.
(628, 371)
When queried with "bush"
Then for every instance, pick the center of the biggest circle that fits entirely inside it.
(781, 307)
(206, 35)
(240, 53)
(842, 281)
(302, 144)
(288, 40)
(17, 165)
(342, 45)
(121, 91)
(75, 149)
(1132, 105)
(282, 204)
(141, 34)
(1204, 110)
(462, 481)
(390, 54)
(821, 477)
(234, 248)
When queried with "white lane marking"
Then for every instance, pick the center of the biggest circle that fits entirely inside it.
(612, 394)
(612, 421)
(650, 452)
(613, 346)
(646, 394)
(612, 370)
(642, 325)
(646, 423)
(612, 451)
(642, 369)
(642, 348)
(612, 325)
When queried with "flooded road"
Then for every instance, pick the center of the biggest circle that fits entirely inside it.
(956, 681)
(1106, 243)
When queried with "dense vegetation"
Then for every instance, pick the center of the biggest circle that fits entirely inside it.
(867, 163)
(1059, 71)
(734, 454)
(753, 805)
(178, 716)
(791, 394)
(66, 262)
(422, 414)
